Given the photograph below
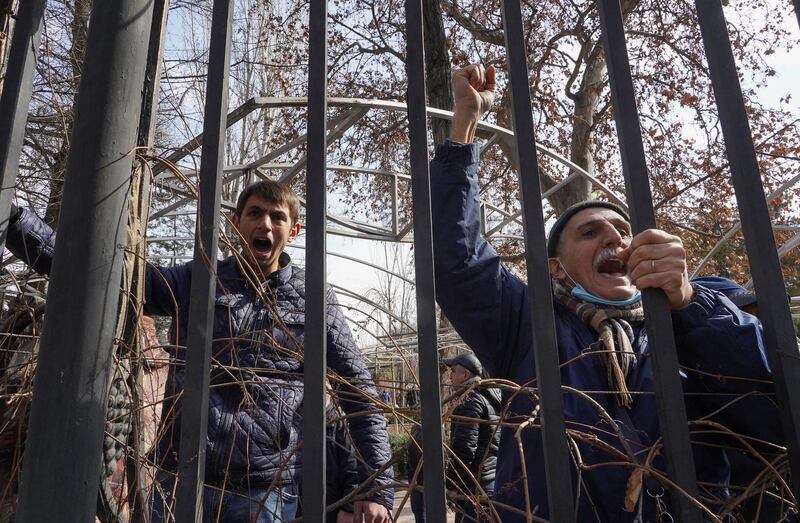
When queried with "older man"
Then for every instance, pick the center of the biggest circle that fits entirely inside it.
(598, 270)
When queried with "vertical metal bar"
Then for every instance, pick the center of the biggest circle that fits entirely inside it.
(155, 52)
(316, 206)
(548, 376)
(65, 436)
(15, 99)
(759, 240)
(135, 471)
(797, 10)
(658, 320)
(432, 453)
(194, 415)
(395, 208)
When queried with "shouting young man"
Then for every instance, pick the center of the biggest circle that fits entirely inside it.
(256, 395)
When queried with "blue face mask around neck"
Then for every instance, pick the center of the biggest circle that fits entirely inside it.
(580, 293)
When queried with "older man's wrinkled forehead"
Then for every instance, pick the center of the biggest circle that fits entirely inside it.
(586, 218)
(596, 214)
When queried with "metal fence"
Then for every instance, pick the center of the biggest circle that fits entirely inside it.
(63, 447)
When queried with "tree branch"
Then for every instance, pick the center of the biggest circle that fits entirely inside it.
(480, 32)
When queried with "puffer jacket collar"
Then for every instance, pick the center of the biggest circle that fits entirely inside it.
(229, 269)
(283, 274)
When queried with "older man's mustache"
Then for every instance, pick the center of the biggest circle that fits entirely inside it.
(609, 261)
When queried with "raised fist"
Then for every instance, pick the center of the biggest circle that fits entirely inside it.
(473, 90)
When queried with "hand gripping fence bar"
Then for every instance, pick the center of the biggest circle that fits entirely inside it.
(423, 265)
(765, 265)
(548, 376)
(194, 413)
(65, 432)
(668, 388)
(314, 352)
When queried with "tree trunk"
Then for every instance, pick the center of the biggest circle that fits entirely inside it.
(580, 150)
(437, 67)
(586, 101)
(79, 28)
(7, 9)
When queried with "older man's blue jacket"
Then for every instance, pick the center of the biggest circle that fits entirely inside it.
(257, 368)
(489, 307)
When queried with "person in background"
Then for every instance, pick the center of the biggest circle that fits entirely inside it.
(386, 398)
(474, 437)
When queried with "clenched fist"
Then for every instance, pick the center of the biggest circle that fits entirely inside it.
(474, 91)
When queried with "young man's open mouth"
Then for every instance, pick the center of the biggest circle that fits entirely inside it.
(262, 247)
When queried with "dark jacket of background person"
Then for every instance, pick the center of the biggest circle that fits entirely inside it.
(414, 459)
(474, 444)
(489, 307)
(257, 370)
(341, 466)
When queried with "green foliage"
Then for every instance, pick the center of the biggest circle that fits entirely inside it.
(399, 443)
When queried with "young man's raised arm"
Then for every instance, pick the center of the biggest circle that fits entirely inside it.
(33, 242)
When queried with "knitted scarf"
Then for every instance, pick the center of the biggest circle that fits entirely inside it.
(615, 335)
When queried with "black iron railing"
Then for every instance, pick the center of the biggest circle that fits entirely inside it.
(65, 437)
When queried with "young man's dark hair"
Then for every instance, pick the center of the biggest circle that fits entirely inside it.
(271, 191)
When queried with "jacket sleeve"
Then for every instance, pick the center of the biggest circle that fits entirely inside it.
(484, 302)
(33, 241)
(464, 444)
(721, 349)
(346, 466)
(356, 397)
(165, 287)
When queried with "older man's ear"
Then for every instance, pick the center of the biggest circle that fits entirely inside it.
(557, 271)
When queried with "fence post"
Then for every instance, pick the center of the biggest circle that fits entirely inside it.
(558, 469)
(194, 414)
(658, 321)
(15, 99)
(315, 343)
(61, 468)
(762, 254)
(432, 453)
